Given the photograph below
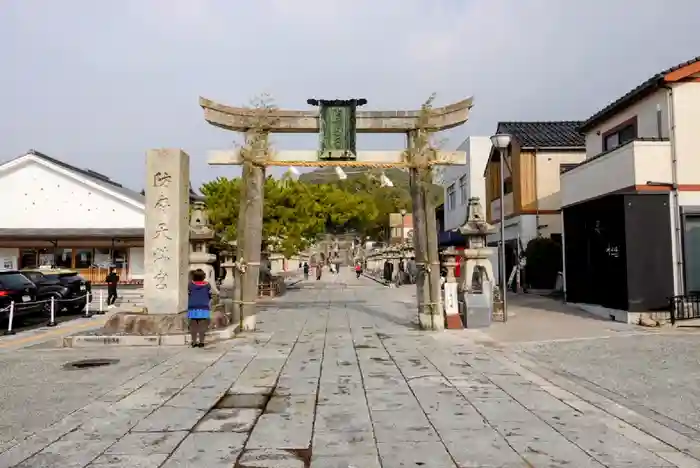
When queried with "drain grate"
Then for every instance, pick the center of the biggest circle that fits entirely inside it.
(89, 364)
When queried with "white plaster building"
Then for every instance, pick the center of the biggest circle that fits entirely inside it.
(631, 210)
(59, 214)
(463, 182)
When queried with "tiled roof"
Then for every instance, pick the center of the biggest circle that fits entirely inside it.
(63, 233)
(562, 134)
(194, 196)
(105, 181)
(95, 177)
(644, 89)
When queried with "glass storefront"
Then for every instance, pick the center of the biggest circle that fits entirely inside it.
(93, 263)
(691, 241)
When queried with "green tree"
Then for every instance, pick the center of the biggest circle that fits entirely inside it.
(222, 197)
(386, 200)
(295, 212)
(291, 220)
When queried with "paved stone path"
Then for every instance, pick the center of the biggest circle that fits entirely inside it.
(337, 376)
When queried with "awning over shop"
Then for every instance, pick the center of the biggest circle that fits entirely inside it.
(52, 234)
(451, 238)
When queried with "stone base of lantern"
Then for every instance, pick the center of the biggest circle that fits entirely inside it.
(497, 311)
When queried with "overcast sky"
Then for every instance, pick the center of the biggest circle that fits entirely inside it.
(97, 83)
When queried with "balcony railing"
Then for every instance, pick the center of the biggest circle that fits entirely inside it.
(632, 164)
(685, 307)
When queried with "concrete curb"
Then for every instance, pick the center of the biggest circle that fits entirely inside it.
(180, 339)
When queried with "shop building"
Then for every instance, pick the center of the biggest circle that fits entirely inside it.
(59, 214)
(631, 209)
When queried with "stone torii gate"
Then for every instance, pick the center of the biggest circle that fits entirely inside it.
(337, 121)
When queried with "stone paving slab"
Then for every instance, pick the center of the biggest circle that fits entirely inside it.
(229, 420)
(207, 449)
(129, 461)
(336, 376)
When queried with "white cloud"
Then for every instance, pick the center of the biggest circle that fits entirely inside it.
(84, 78)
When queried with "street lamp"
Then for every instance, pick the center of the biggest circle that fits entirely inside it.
(501, 141)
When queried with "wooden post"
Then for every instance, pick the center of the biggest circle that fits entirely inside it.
(254, 182)
(240, 249)
(438, 319)
(452, 318)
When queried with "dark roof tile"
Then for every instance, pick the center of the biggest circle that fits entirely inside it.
(641, 91)
(562, 134)
(95, 177)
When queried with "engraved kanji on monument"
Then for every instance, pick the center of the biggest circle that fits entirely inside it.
(166, 237)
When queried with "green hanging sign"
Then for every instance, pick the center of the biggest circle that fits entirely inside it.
(337, 128)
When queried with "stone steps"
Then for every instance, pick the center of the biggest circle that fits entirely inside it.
(125, 296)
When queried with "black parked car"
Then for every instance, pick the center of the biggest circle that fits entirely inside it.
(70, 290)
(16, 287)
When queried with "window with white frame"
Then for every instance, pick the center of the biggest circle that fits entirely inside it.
(451, 197)
(691, 250)
(619, 135)
(463, 189)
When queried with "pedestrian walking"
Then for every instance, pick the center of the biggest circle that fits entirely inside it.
(358, 270)
(112, 281)
(198, 307)
(412, 270)
(402, 272)
(306, 271)
(319, 271)
(388, 271)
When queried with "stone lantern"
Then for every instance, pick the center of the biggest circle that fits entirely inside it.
(227, 285)
(228, 264)
(201, 235)
(477, 289)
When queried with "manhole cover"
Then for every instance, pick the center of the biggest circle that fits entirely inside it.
(89, 364)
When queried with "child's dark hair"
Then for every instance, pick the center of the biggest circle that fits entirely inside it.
(199, 275)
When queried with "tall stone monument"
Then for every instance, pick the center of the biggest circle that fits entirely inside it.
(166, 249)
(166, 237)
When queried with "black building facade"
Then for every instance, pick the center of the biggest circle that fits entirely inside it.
(617, 252)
